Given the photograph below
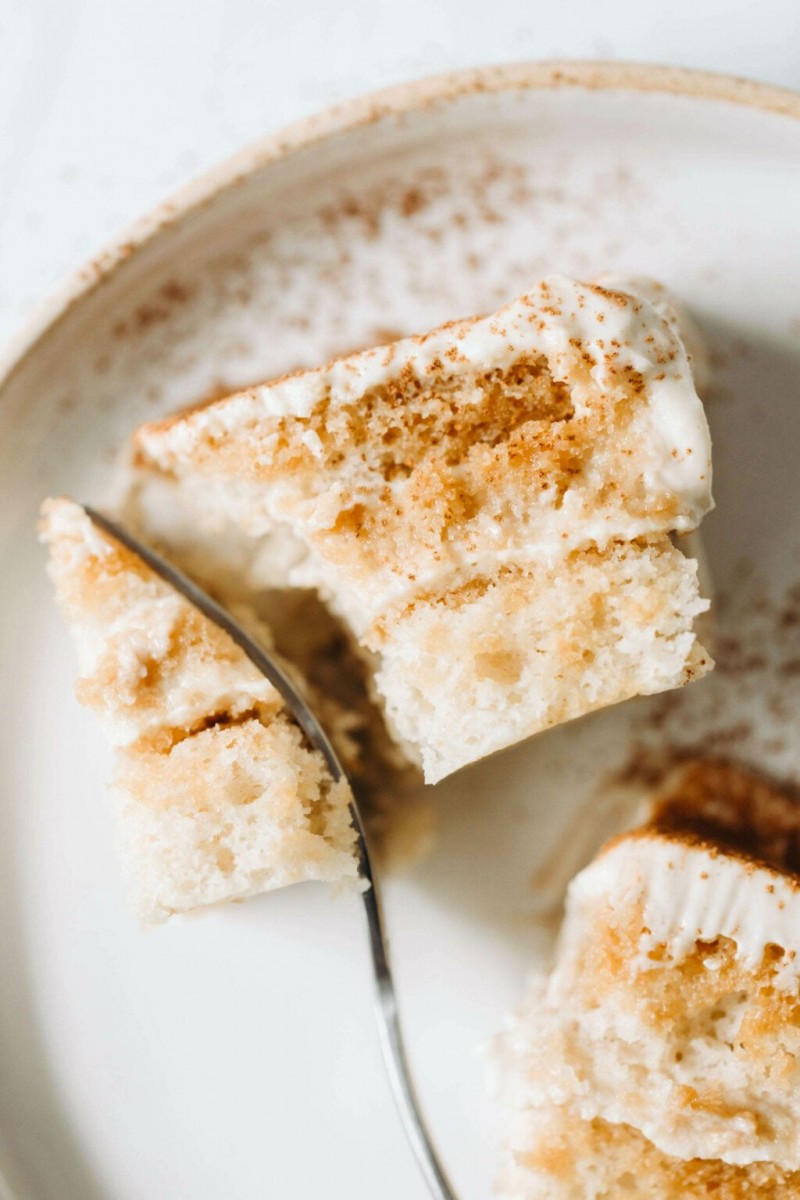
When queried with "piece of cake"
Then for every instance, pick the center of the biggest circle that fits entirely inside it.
(219, 796)
(487, 506)
(661, 1057)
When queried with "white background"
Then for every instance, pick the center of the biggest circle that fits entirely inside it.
(107, 105)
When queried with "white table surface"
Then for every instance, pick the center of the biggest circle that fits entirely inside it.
(108, 105)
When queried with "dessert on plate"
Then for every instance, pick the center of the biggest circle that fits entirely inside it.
(219, 797)
(487, 507)
(661, 1056)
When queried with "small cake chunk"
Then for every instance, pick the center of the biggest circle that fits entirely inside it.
(219, 796)
(488, 507)
(661, 1057)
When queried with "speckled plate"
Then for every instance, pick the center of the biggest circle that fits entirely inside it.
(233, 1055)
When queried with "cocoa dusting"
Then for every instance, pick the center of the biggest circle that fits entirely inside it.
(721, 805)
(154, 311)
(746, 708)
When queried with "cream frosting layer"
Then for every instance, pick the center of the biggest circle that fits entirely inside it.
(596, 341)
(135, 634)
(688, 893)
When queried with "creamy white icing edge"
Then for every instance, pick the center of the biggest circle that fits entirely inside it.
(560, 318)
(688, 893)
(141, 632)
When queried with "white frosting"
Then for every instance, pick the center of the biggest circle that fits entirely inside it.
(591, 339)
(555, 319)
(688, 893)
(67, 523)
(137, 628)
(681, 322)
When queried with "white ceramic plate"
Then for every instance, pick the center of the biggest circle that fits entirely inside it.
(233, 1055)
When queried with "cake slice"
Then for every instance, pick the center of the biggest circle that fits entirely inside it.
(487, 506)
(661, 1057)
(219, 796)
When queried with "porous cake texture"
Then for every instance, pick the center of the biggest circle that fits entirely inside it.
(219, 796)
(573, 1159)
(488, 507)
(661, 1057)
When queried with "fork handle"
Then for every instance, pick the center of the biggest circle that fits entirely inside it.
(391, 1034)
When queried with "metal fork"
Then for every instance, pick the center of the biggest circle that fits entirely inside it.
(387, 1015)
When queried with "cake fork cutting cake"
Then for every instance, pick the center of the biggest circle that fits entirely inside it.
(488, 507)
(219, 796)
(661, 1057)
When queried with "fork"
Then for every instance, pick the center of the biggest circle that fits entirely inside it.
(387, 1014)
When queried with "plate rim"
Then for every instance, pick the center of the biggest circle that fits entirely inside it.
(367, 109)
